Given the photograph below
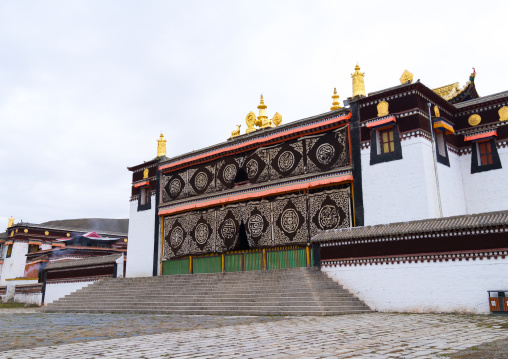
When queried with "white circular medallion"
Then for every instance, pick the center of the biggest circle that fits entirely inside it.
(229, 173)
(328, 217)
(252, 168)
(255, 225)
(174, 187)
(286, 161)
(176, 237)
(228, 229)
(201, 181)
(324, 153)
(289, 220)
(201, 233)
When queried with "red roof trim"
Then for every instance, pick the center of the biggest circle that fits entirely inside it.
(255, 142)
(479, 136)
(380, 122)
(258, 194)
(141, 184)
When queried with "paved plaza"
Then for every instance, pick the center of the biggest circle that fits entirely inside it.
(375, 335)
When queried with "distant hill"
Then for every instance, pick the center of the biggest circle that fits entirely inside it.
(112, 225)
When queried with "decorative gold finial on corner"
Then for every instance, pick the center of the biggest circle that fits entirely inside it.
(250, 120)
(358, 82)
(277, 119)
(262, 121)
(236, 132)
(11, 222)
(335, 103)
(161, 146)
(406, 77)
(436, 111)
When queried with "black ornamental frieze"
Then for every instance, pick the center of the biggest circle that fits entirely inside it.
(256, 166)
(228, 226)
(286, 160)
(329, 210)
(227, 171)
(290, 224)
(202, 235)
(173, 186)
(257, 219)
(175, 238)
(327, 151)
(202, 179)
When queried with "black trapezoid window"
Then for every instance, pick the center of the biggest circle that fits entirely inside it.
(484, 156)
(441, 148)
(385, 144)
(144, 202)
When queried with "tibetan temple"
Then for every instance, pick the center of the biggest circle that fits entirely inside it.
(256, 200)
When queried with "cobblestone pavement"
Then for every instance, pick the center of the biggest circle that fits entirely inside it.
(373, 335)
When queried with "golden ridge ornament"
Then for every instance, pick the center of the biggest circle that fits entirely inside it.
(161, 146)
(358, 82)
(145, 173)
(503, 113)
(436, 111)
(474, 120)
(236, 132)
(406, 77)
(250, 120)
(335, 103)
(382, 109)
(277, 119)
(11, 222)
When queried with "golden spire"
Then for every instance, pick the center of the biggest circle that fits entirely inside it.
(161, 146)
(335, 103)
(358, 82)
(262, 121)
(11, 222)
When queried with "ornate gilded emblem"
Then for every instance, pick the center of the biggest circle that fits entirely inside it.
(358, 82)
(277, 119)
(436, 111)
(474, 120)
(290, 220)
(406, 77)
(286, 161)
(503, 113)
(236, 132)
(201, 233)
(325, 153)
(145, 173)
(255, 225)
(26, 231)
(68, 234)
(250, 120)
(382, 109)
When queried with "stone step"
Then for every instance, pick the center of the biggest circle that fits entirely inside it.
(301, 291)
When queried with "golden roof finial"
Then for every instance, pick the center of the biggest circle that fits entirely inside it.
(406, 77)
(161, 146)
(358, 82)
(11, 222)
(262, 121)
(335, 103)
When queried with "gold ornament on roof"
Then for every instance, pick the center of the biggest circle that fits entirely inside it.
(358, 82)
(503, 113)
(145, 173)
(12, 233)
(250, 120)
(68, 234)
(11, 222)
(335, 103)
(277, 119)
(26, 230)
(260, 121)
(474, 120)
(161, 146)
(236, 132)
(46, 232)
(406, 77)
(382, 109)
(436, 111)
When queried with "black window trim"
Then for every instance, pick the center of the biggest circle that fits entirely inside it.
(147, 205)
(376, 158)
(496, 161)
(445, 160)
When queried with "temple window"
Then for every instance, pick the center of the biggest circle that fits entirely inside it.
(484, 156)
(144, 198)
(386, 141)
(33, 248)
(441, 148)
(9, 251)
(385, 144)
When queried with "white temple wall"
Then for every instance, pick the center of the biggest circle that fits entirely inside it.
(451, 188)
(14, 266)
(140, 246)
(119, 267)
(435, 287)
(55, 291)
(485, 191)
(400, 190)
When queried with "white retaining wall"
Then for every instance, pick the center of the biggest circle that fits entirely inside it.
(14, 266)
(140, 246)
(28, 298)
(55, 291)
(453, 286)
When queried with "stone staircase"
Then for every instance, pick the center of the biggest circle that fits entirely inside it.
(298, 291)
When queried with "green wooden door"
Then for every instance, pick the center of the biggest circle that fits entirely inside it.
(177, 266)
(291, 258)
(212, 264)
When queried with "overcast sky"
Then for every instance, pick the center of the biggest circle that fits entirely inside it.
(86, 87)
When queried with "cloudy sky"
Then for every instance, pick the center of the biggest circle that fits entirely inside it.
(86, 87)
